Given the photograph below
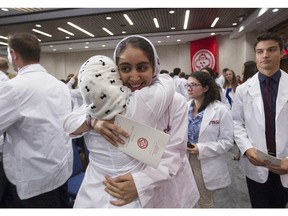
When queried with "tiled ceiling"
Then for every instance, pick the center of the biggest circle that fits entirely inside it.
(94, 19)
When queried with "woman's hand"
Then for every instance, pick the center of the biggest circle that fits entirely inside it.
(193, 150)
(109, 131)
(122, 187)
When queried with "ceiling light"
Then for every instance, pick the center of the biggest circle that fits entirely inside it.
(171, 12)
(128, 19)
(67, 37)
(106, 30)
(87, 43)
(38, 25)
(3, 43)
(172, 28)
(187, 13)
(156, 22)
(262, 11)
(54, 49)
(4, 9)
(103, 45)
(41, 32)
(51, 46)
(3, 37)
(65, 31)
(70, 48)
(108, 18)
(234, 24)
(241, 29)
(86, 47)
(123, 32)
(178, 40)
(275, 10)
(158, 41)
(39, 40)
(212, 33)
(168, 36)
(214, 22)
(80, 29)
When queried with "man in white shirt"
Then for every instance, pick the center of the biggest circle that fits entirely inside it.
(37, 153)
(180, 83)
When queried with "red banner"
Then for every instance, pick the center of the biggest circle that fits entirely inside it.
(203, 53)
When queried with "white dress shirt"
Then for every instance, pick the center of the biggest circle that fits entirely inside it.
(37, 154)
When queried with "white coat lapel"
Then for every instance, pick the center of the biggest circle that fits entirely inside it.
(282, 97)
(254, 92)
(209, 113)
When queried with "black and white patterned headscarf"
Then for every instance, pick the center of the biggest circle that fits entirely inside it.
(101, 88)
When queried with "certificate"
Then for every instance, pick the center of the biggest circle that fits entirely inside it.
(264, 156)
(144, 143)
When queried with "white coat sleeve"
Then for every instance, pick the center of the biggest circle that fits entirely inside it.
(224, 142)
(75, 119)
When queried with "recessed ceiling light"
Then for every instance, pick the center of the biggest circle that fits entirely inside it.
(65, 31)
(54, 49)
(70, 48)
(41, 32)
(212, 33)
(258, 22)
(186, 19)
(103, 45)
(234, 24)
(108, 18)
(171, 11)
(158, 41)
(106, 30)
(67, 37)
(86, 47)
(4, 9)
(214, 22)
(178, 40)
(87, 43)
(275, 10)
(80, 29)
(3, 37)
(168, 36)
(38, 25)
(123, 32)
(128, 19)
(172, 28)
(5, 44)
(156, 22)
(241, 29)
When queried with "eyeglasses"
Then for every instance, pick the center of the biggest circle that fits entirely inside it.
(191, 85)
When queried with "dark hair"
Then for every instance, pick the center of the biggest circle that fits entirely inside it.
(225, 70)
(211, 72)
(164, 72)
(270, 36)
(139, 43)
(176, 71)
(250, 69)
(211, 94)
(27, 45)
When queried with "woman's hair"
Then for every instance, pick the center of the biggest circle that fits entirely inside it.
(211, 94)
(250, 69)
(211, 72)
(136, 42)
(234, 83)
(27, 45)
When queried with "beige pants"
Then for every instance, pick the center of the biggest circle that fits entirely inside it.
(206, 196)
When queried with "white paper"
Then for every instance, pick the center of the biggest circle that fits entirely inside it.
(145, 143)
(264, 156)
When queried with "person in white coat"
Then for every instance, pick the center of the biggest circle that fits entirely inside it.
(267, 185)
(210, 136)
(128, 182)
(37, 153)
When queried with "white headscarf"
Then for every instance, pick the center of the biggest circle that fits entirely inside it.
(101, 88)
(156, 58)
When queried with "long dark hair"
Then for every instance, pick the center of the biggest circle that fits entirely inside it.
(211, 94)
(250, 69)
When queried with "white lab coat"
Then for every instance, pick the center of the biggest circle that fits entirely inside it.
(172, 184)
(215, 140)
(37, 154)
(249, 124)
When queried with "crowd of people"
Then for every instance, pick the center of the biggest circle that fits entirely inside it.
(204, 114)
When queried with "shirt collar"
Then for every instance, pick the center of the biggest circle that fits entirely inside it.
(276, 77)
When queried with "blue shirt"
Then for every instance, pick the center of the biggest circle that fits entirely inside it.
(194, 124)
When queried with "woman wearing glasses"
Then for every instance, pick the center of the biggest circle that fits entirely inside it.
(210, 136)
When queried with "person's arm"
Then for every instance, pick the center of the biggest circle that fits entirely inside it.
(280, 170)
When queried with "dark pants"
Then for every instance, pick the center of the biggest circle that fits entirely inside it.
(57, 198)
(270, 194)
